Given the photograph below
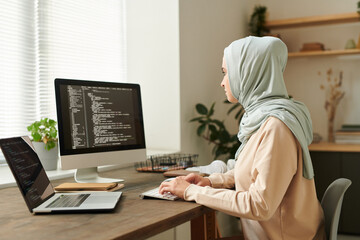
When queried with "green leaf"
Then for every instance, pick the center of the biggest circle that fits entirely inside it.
(36, 136)
(53, 133)
(37, 125)
(212, 128)
(219, 123)
(233, 107)
(214, 136)
(234, 138)
(49, 145)
(201, 109)
(52, 122)
(224, 136)
(233, 149)
(43, 122)
(218, 152)
(201, 129)
(196, 119)
(239, 113)
(211, 111)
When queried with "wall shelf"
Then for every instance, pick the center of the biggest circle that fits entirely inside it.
(314, 21)
(334, 147)
(324, 53)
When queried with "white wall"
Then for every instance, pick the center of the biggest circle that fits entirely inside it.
(206, 28)
(175, 50)
(153, 61)
(302, 74)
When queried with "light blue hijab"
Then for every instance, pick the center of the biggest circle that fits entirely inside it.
(255, 68)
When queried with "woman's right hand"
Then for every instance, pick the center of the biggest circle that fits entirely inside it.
(197, 180)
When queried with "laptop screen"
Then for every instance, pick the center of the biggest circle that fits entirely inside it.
(27, 170)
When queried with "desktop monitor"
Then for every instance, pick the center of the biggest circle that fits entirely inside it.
(99, 123)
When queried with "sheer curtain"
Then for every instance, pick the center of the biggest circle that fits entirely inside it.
(41, 40)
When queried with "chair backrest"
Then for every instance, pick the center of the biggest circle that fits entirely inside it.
(331, 204)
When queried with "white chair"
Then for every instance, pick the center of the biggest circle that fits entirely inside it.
(331, 204)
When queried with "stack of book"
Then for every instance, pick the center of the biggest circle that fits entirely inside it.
(348, 134)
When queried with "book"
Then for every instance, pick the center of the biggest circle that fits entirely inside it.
(347, 137)
(347, 141)
(348, 133)
(350, 128)
(78, 187)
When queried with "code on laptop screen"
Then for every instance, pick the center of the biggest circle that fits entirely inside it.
(27, 170)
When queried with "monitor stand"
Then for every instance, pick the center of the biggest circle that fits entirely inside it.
(91, 175)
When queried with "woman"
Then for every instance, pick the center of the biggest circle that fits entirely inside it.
(274, 193)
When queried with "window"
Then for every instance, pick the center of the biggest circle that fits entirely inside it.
(46, 39)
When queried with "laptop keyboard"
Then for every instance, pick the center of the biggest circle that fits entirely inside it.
(154, 193)
(68, 201)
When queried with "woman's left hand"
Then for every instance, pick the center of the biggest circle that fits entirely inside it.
(176, 187)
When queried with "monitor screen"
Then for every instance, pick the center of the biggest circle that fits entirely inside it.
(98, 118)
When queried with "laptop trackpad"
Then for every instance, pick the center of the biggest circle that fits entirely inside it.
(100, 199)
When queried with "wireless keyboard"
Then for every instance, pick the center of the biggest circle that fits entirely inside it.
(154, 193)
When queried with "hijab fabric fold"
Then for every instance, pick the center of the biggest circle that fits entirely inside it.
(255, 69)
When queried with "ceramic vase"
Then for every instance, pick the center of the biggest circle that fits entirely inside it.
(48, 158)
(331, 119)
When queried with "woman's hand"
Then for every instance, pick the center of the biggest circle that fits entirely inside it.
(197, 180)
(176, 187)
(179, 184)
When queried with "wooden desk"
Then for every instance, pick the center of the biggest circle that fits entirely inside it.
(133, 218)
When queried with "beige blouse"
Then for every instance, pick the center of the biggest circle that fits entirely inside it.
(271, 196)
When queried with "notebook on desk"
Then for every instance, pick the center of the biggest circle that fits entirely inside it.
(36, 188)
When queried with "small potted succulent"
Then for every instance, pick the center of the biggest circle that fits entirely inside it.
(44, 139)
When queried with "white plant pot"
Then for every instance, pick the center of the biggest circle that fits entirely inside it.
(49, 159)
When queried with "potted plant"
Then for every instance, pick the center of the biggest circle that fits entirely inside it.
(215, 132)
(257, 24)
(44, 139)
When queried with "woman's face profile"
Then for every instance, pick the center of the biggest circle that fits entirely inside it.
(226, 85)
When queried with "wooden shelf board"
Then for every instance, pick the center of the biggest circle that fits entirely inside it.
(324, 53)
(315, 20)
(334, 147)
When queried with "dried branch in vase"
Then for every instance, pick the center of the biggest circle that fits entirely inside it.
(333, 96)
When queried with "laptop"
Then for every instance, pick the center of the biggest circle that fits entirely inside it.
(36, 188)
